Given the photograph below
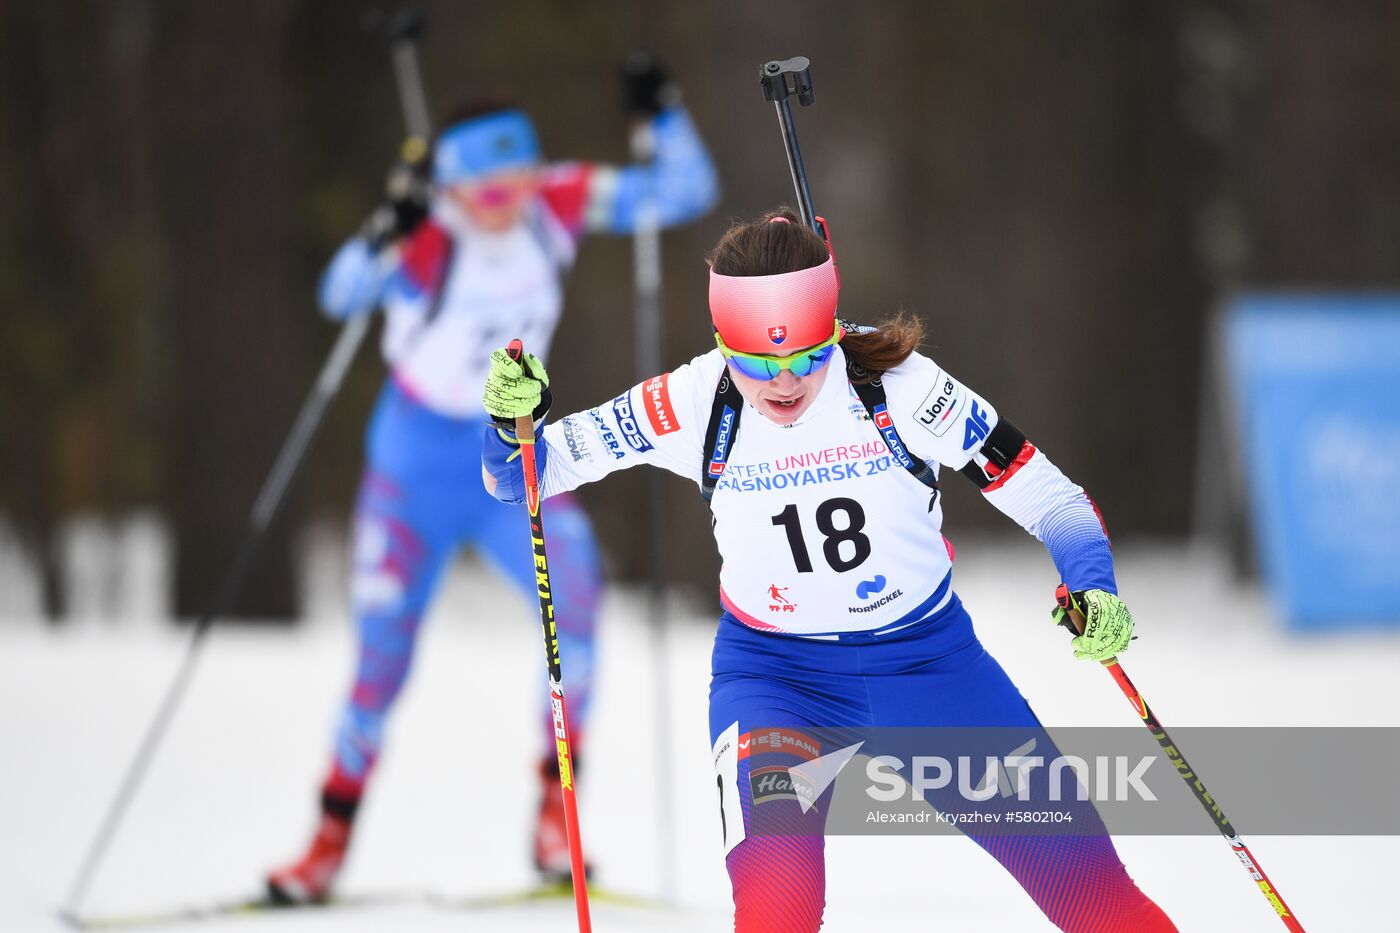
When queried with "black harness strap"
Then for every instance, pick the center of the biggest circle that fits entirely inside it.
(721, 432)
(872, 396)
(728, 405)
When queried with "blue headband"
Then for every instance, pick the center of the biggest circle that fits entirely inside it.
(493, 143)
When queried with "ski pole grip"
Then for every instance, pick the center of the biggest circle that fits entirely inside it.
(1073, 619)
(524, 425)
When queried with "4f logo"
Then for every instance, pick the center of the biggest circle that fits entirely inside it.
(976, 427)
(777, 334)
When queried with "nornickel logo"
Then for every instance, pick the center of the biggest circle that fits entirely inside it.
(867, 588)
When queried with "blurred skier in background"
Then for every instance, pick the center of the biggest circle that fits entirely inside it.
(461, 267)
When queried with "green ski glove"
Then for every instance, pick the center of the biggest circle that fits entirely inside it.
(515, 389)
(1108, 625)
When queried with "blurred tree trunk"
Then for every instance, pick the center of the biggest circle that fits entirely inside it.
(1324, 144)
(41, 281)
(227, 199)
(78, 271)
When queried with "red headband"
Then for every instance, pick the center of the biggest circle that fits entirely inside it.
(761, 313)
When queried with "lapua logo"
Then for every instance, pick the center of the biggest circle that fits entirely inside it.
(726, 428)
(885, 424)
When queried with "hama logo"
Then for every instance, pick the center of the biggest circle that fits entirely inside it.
(726, 428)
(885, 423)
(977, 428)
(777, 334)
(774, 783)
(631, 433)
(656, 394)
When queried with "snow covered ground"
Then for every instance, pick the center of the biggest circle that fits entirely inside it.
(232, 791)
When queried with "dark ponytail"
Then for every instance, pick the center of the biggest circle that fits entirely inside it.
(883, 348)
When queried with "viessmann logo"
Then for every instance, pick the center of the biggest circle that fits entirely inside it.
(657, 394)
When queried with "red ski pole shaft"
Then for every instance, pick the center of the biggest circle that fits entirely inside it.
(525, 434)
(1075, 619)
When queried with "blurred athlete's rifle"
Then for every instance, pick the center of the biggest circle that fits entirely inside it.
(781, 80)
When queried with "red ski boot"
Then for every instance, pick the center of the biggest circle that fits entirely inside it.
(551, 833)
(309, 880)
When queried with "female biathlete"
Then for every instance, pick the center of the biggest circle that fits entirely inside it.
(485, 264)
(819, 444)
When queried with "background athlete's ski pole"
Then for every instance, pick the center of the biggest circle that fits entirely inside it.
(403, 35)
(1073, 620)
(525, 434)
(644, 82)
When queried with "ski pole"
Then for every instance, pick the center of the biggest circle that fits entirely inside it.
(403, 34)
(1074, 621)
(525, 434)
(646, 269)
(265, 509)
